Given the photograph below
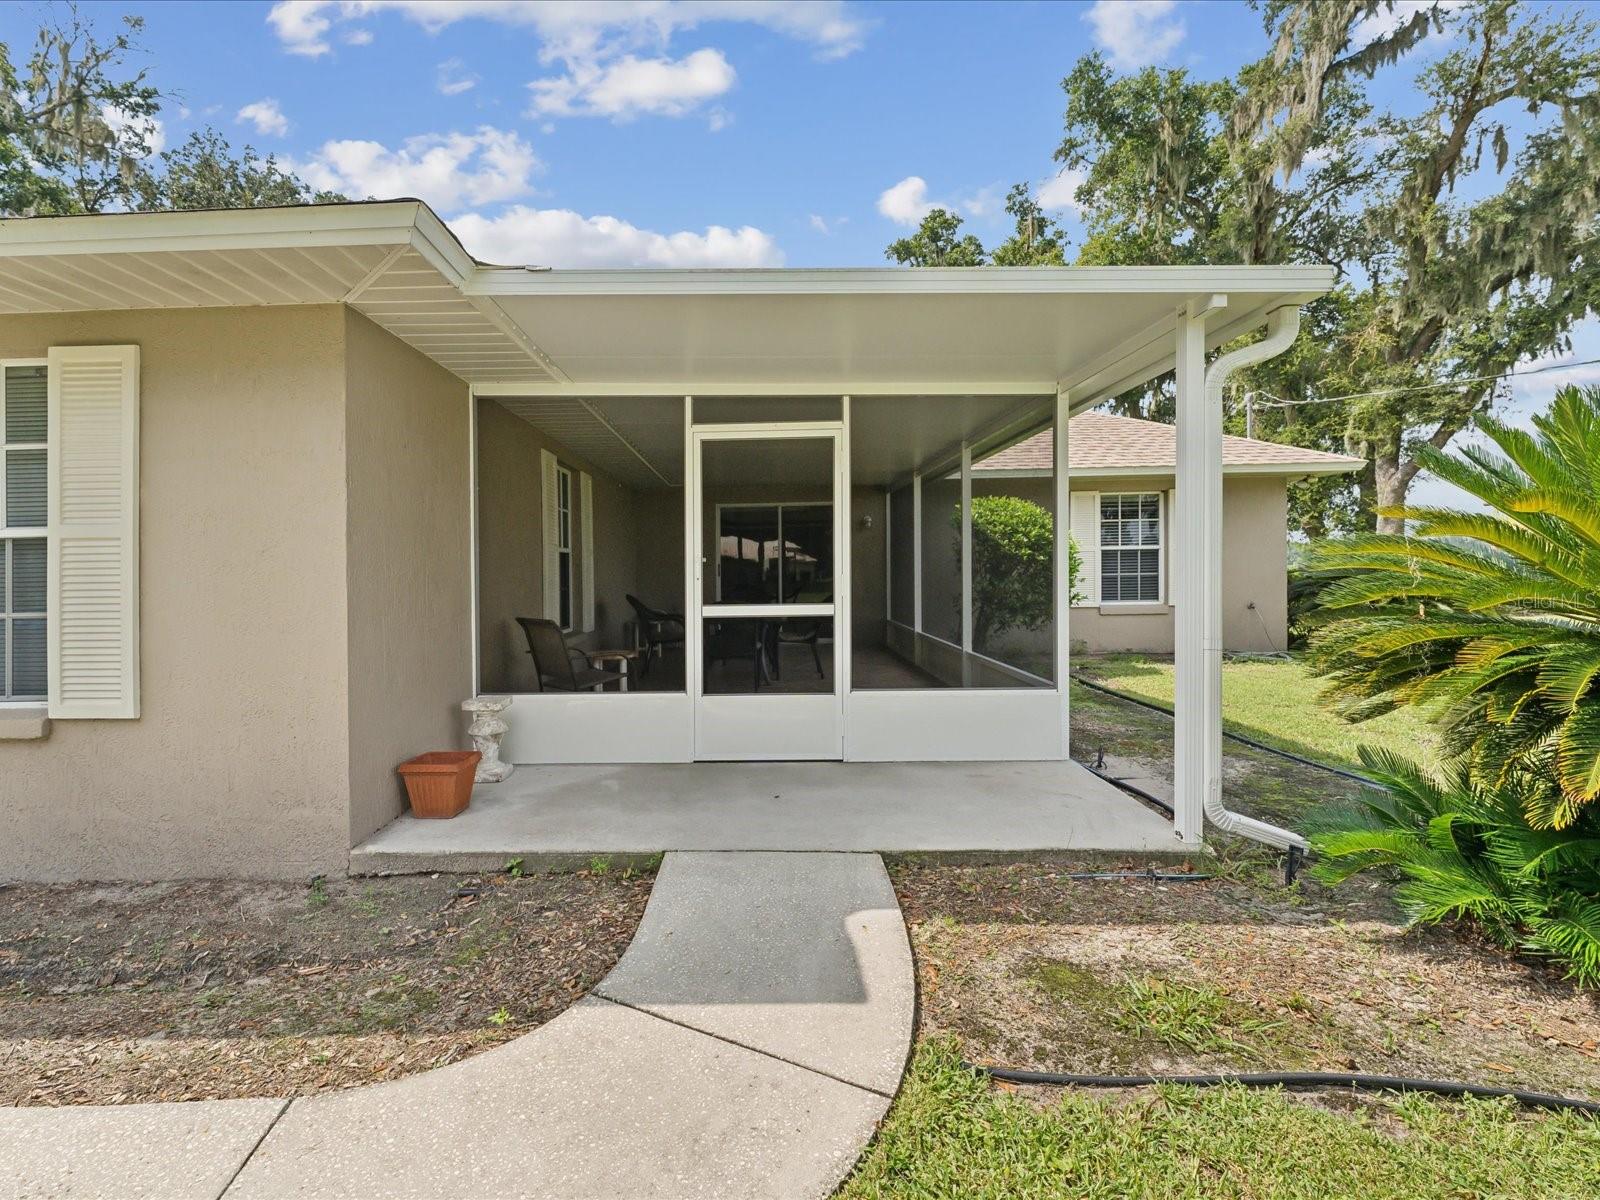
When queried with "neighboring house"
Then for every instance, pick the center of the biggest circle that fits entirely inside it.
(279, 483)
(1122, 501)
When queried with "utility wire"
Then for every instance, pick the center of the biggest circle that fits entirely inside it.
(1443, 386)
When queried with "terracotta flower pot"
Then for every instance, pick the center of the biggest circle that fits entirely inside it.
(439, 784)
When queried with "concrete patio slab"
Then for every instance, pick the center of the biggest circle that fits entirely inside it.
(801, 956)
(129, 1152)
(603, 1101)
(579, 811)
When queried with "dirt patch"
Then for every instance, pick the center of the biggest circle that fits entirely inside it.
(1033, 970)
(114, 994)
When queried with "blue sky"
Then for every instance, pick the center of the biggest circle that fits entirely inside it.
(670, 134)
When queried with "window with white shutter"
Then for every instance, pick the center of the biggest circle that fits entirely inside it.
(24, 521)
(93, 506)
(550, 492)
(1084, 526)
(586, 544)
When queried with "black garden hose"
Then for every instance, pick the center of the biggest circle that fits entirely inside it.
(1294, 1080)
(1236, 737)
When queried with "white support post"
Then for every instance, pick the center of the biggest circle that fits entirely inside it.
(966, 564)
(1061, 526)
(1197, 615)
(916, 551)
(692, 659)
(843, 573)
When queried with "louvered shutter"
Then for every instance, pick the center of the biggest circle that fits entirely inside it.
(551, 490)
(93, 572)
(1085, 527)
(1169, 594)
(586, 547)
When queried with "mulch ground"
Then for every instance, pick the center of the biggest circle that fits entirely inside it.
(1030, 969)
(113, 994)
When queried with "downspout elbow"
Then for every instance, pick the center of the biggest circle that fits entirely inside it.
(1283, 324)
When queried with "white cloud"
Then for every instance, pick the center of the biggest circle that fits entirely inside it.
(150, 129)
(266, 116)
(820, 224)
(1060, 191)
(453, 78)
(558, 237)
(1135, 33)
(1386, 20)
(302, 26)
(984, 202)
(357, 37)
(629, 86)
(906, 203)
(448, 170)
(581, 26)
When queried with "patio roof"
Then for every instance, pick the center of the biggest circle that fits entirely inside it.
(518, 331)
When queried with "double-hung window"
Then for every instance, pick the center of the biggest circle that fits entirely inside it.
(564, 544)
(24, 407)
(1130, 548)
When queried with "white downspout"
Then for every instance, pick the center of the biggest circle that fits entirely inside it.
(1282, 326)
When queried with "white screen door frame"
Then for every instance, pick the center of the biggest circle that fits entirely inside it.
(769, 725)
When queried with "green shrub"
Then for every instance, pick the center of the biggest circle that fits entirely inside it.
(1465, 849)
(1013, 546)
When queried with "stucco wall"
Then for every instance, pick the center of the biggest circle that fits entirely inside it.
(511, 542)
(1255, 569)
(238, 764)
(408, 570)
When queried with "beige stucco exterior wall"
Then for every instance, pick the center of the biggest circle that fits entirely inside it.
(408, 565)
(239, 762)
(1255, 570)
(511, 546)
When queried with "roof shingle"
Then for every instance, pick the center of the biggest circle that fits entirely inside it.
(1099, 441)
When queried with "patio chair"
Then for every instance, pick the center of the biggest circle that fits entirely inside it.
(797, 631)
(553, 660)
(657, 628)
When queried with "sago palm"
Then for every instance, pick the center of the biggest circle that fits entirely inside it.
(1464, 849)
(1489, 621)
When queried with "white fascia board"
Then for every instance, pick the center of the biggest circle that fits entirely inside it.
(1029, 389)
(306, 225)
(789, 281)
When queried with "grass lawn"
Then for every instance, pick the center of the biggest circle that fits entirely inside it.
(1273, 701)
(953, 1134)
(1020, 965)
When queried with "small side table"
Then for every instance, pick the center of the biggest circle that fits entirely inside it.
(621, 657)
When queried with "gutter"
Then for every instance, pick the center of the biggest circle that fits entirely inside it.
(1282, 325)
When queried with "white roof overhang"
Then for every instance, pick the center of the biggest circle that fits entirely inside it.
(1092, 331)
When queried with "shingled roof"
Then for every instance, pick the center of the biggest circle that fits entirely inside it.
(1098, 442)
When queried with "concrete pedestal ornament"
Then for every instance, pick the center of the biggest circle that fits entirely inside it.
(486, 730)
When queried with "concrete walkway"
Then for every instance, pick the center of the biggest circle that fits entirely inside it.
(746, 1045)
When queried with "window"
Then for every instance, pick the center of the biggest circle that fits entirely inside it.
(564, 544)
(774, 553)
(23, 423)
(1130, 548)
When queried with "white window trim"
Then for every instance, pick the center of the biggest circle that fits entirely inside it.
(22, 531)
(564, 546)
(1160, 548)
